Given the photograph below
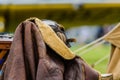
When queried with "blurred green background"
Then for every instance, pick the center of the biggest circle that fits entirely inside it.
(97, 57)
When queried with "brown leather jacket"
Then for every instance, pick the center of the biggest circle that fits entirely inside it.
(31, 59)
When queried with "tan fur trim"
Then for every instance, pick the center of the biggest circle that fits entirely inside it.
(53, 40)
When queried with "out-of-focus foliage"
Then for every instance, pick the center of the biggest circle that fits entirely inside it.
(66, 14)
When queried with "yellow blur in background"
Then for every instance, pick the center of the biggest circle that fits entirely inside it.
(2, 24)
(69, 15)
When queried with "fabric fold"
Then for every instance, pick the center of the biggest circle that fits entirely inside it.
(32, 58)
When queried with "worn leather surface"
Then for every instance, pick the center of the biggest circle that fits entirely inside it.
(31, 59)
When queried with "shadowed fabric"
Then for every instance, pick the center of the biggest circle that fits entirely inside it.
(27, 59)
(114, 64)
(78, 69)
(114, 36)
(30, 58)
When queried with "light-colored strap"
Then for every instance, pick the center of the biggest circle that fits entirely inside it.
(92, 47)
(108, 76)
(88, 45)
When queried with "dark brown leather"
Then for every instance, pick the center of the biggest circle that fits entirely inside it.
(31, 59)
(78, 69)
